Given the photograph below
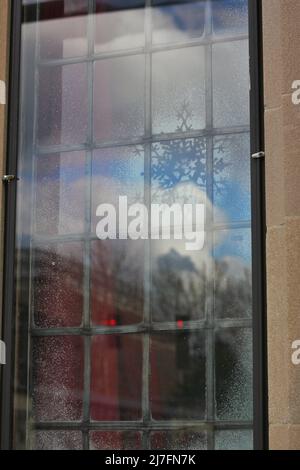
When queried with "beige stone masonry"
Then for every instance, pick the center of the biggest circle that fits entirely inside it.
(281, 34)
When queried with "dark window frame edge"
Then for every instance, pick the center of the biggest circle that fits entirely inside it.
(260, 352)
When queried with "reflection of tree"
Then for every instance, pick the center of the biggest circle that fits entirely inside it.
(178, 288)
(117, 281)
(187, 395)
(233, 293)
(233, 365)
(179, 292)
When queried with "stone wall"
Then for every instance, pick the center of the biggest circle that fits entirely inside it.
(281, 32)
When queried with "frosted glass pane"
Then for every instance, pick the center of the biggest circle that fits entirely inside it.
(178, 90)
(115, 440)
(57, 364)
(148, 100)
(117, 289)
(232, 276)
(117, 172)
(177, 388)
(234, 244)
(230, 17)
(178, 175)
(232, 196)
(178, 171)
(119, 25)
(60, 193)
(57, 440)
(58, 285)
(178, 282)
(119, 98)
(177, 21)
(116, 377)
(63, 28)
(63, 105)
(231, 84)
(234, 374)
(234, 440)
(179, 440)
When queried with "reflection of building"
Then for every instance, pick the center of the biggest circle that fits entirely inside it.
(177, 361)
(138, 345)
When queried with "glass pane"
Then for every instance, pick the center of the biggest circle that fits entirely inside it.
(60, 192)
(178, 90)
(230, 17)
(232, 178)
(178, 389)
(58, 285)
(115, 440)
(178, 440)
(63, 28)
(139, 311)
(57, 440)
(57, 363)
(234, 440)
(231, 84)
(116, 378)
(117, 282)
(232, 278)
(117, 172)
(119, 25)
(62, 105)
(234, 374)
(119, 98)
(178, 171)
(179, 282)
(175, 21)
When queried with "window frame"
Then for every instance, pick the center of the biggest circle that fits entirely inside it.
(260, 426)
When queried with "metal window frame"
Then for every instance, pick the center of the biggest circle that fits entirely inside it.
(8, 323)
(258, 241)
(259, 282)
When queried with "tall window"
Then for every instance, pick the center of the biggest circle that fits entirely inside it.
(123, 343)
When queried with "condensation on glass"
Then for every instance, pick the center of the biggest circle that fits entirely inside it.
(133, 344)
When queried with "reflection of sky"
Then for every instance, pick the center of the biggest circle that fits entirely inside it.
(234, 244)
(180, 17)
(232, 184)
(118, 172)
(230, 16)
(122, 23)
(128, 168)
(172, 21)
(235, 201)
